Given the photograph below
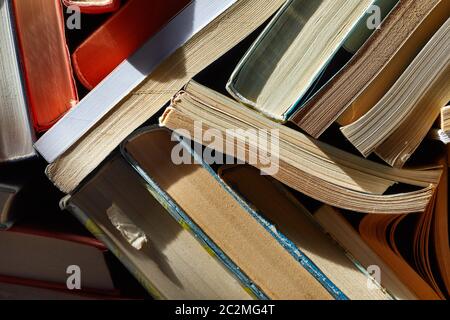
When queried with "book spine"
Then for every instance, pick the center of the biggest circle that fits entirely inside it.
(49, 81)
(93, 228)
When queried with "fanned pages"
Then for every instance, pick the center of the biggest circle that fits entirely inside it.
(128, 114)
(292, 52)
(440, 229)
(46, 63)
(340, 179)
(397, 124)
(375, 67)
(378, 232)
(345, 234)
(16, 135)
(430, 243)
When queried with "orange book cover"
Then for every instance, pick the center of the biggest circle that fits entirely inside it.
(94, 6)
(45, 59)
(120, 36)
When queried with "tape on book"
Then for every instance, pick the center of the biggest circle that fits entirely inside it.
(131, 233)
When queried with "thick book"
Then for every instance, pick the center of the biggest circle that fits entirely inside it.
(120, 36)
(16, 133)
(192, 195)
(45, 59)
(169, 258)
(283, 64)
(374, 68)
(94, 6)
(117, 107)
(397, 124)
(334, 176)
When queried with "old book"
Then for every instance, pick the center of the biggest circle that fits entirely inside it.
(16, 134)
(372, 250)
(46, 62)
(118, 108)
(118, 208)
(94, 6)
(334, 177)
(292, 53)
(430, 243)
(374, 68)
(284, 215)
(213, 240)
(379, 233)
(120, 36)
(398, 123)
(223, 217)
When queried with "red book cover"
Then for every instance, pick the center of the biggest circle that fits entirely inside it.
(61, 235)
(86, 293)
(94, 6)
(120, 36)
(46, 61)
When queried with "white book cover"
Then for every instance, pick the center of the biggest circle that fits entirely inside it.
(128, 75)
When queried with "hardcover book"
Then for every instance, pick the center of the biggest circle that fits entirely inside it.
(46, 63)
(16, 133)
(267, 263)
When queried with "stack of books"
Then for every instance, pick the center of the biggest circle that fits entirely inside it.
(228, 149)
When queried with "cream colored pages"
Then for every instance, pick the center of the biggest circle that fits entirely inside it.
(232, 228)
(396, 125)
(16, 135)
(172, 259)
(292, 52)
